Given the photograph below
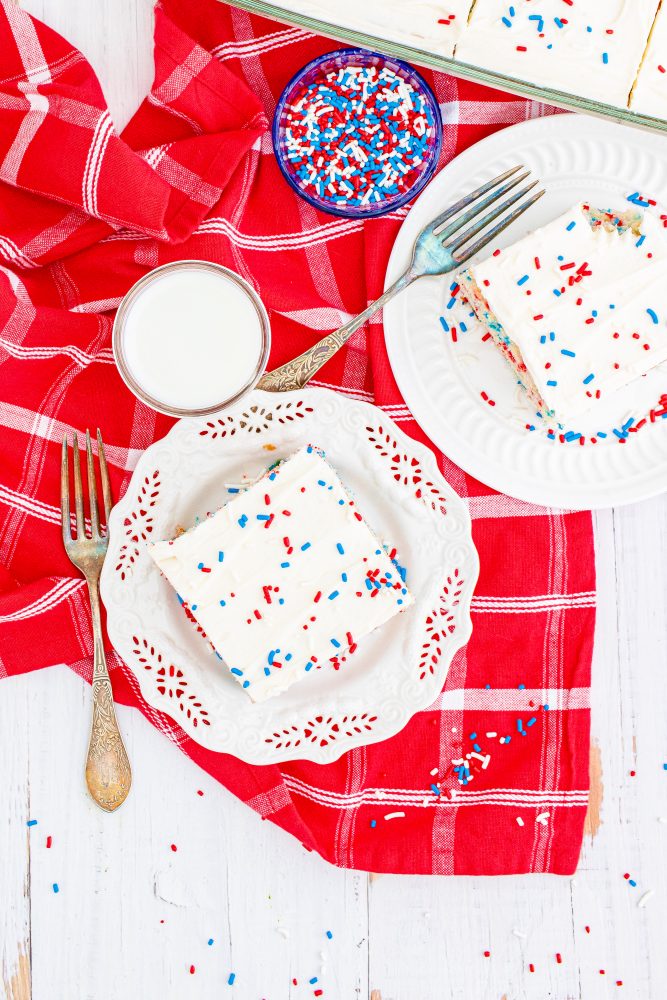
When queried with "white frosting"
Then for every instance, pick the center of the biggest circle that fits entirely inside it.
(570, 58)
(251, 573)
(432, 26)
(650, 92)
(625, 293)
(192, 338)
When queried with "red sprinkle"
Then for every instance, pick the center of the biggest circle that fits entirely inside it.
(49, 840)
(558, 958)
(173, 847)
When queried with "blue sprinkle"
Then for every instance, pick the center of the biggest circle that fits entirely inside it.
(236, 671)
(263, 517)
(473, 736)
(640, 240)
(333, 595)
(653, 315)
(543, 339)
(210, 942)
(232, 977)
(507, 21)
(313, 980)
(31, 822)
(221, 556)
(477, 747)
(320, 482)
(522, 281)
(243, 520)
(589, 378)
(335, 642)
(444, 324)
(632, 882)
(521, 687)
(232, 489)
(605, 58)
(284, 565)
(552, 382)
(570, 226)
(329, 935)
(56, 887)
(223, 604)
(200, 566)
(568, 354)
(246, 684)
(531, 722)
(545, 707)
(288, 657)
(435, 789)
(309, 664)
(267, 671)
(557, 292)
(340, 548)
(306, 545)
(374, 823)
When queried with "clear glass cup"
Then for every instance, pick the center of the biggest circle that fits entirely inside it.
(120, 325)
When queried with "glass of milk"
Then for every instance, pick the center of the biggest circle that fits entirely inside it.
(190, 338)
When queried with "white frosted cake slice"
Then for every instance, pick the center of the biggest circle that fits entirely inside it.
(286, 578)
(578, 307)
(587, 47)
(432, 25)
(649, 95)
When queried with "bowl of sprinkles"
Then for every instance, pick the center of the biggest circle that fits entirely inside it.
(357, 134)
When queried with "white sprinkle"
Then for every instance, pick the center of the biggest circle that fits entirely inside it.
(454, 729)
(396, 815)
(519, 821)
(283, 932)
(434, 771)
(542, 818)
(645, 898)
(491, 736)
(486, 761)
(662, 819)
(520, 934)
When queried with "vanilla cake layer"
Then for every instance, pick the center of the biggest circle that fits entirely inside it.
(589, 47)
(578, 307)
(649, 95)
(286, 578)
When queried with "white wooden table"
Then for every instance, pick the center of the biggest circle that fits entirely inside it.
(132, 915)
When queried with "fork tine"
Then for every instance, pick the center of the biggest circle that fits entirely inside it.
(78, 490)
(487, 237)
(92, 489)
(482, 223)
(464, 202)
(477, 209)
(104, 475)
(64, 494)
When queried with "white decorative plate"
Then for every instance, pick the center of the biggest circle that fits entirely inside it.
(396, 671)
(445, 382)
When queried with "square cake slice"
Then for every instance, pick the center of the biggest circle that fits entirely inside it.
(588, 47)
(578, 308)
(649, 94)
(286, 578)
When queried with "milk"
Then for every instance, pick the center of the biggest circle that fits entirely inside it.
(191, 337)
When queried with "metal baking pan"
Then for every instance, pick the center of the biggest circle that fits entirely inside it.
(508, 84)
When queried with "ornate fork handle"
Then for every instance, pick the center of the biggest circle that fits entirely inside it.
(108, 773)
(294, 374)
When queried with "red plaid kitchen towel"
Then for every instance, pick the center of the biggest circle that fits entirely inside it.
(84, 212)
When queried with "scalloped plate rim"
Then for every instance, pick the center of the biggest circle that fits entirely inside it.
(308, 751)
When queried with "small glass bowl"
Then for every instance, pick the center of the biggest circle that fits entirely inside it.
(319, 68)
(119, 328)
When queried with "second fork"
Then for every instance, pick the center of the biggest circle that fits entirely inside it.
(442, 246)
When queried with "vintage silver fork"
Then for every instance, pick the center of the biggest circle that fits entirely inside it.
(439, 248)
(108, 773)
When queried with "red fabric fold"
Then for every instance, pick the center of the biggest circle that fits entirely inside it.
(84, 212)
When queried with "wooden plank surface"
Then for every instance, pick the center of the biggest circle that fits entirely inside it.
(132, 916)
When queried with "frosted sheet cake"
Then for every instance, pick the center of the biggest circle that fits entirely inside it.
(578, 308)
(649, 95)
(432, 26)
(588, 48)
(286, 578)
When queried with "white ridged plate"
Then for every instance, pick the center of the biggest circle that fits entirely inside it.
(397, 670)
(576, 158)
